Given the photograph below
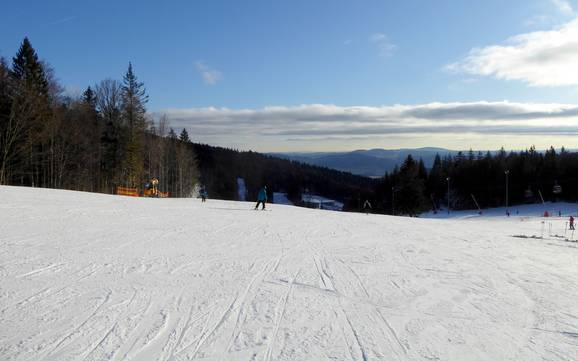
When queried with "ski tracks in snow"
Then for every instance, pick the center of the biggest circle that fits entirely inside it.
(51, 291)
(241, 308)
(234, 311)
(92, 350)
(354, 310)
(76, 329)
(281, 307)
(181, 281)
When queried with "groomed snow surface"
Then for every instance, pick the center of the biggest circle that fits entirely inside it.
(96, 277)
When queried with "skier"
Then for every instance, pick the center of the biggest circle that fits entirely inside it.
(367, 206)
(571, 223)
(155, 184)
(203, 195)
(262, 197)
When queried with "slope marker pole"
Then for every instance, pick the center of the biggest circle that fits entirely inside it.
(542, 198)
(476, 203)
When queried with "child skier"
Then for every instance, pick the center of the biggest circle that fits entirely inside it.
(261, 198)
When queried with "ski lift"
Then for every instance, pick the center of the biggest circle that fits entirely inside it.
(528, 194)
(557, 189)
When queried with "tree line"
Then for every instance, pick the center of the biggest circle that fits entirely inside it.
(486, 178)
(93, 142)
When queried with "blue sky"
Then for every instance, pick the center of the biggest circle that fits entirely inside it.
(243, 73)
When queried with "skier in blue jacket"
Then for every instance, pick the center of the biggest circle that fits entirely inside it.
(261, 197)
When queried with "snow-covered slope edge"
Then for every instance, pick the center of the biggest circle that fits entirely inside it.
(94, 277)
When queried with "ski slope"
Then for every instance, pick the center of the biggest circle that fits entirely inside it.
(96, 277)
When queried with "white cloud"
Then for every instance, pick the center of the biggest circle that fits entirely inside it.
(317, 125)
(210, 76)
(384, 46)
(540, 58)
(564, 6)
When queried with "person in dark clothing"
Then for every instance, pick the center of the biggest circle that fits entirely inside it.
(367, 206)
(261, 197)
(571, 221)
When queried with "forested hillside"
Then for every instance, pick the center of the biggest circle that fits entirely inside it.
(491, 179)
(91, 142)
(220, 168)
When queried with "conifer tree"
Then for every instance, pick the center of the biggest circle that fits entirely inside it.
(26, 67)
(435, 179)
(184, 137)
(172, 134)
(411, 198)
(31, 114)
(134, 99)
(6, 140)
(89, 98)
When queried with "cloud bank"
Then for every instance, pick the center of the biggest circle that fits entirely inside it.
(318, 122)
(540, 58)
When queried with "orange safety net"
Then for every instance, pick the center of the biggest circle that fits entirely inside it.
(126, 191)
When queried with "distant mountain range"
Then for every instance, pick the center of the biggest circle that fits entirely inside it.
(375, 162)
(369, 163)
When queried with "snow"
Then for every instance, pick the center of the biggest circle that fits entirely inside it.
(96, 277)
(524, 210)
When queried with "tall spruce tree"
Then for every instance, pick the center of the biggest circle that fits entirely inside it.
(133, 108)
(26, 67)
(31, 114)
